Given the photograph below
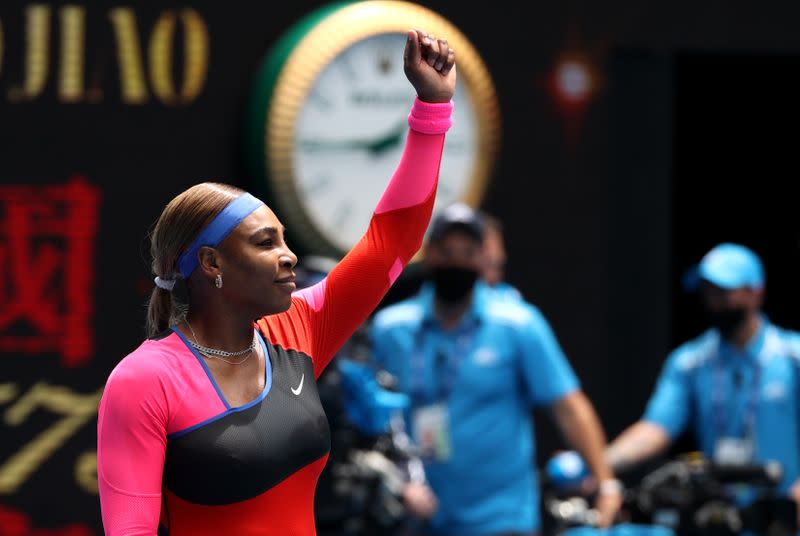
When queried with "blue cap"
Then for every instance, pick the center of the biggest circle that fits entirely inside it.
(727, 266)
(456, 216)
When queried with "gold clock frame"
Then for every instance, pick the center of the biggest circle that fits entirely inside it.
(316, 49)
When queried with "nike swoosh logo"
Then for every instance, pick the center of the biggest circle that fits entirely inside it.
(299, 387)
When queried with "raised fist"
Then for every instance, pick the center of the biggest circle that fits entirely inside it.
(430, 65)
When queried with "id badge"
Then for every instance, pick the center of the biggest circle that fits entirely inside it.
(432, 431)
(733, 451)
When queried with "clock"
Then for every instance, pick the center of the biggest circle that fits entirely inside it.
(327, 120)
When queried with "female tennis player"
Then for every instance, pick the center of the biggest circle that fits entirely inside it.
(213, 425)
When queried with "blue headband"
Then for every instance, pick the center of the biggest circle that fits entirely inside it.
(217, 230)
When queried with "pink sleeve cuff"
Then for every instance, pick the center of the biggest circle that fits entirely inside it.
(431, 117)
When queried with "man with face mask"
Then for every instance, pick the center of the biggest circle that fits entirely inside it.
(474, 364)
(736, 384)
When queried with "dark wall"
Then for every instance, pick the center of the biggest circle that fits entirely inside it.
(734, 169)
(588, 216)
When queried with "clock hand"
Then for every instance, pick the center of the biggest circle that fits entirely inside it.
(331, 145)
(388, 141)
(374, 146)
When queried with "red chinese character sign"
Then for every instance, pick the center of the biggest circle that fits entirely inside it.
(103, 89)
(47, 260)
(47, 247)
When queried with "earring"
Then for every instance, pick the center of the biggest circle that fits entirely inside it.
(218, 281)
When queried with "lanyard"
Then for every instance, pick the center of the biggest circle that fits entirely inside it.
(719, 400)
(447, 361)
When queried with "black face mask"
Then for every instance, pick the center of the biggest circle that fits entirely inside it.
(727, 321)
(452, 284)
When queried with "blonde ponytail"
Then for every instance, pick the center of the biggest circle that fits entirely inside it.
(179, 224)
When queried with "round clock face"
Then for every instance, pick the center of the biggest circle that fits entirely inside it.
(328, 120)
(350, 135)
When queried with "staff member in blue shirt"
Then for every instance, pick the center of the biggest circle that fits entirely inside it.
(736, 385)
(474, 365)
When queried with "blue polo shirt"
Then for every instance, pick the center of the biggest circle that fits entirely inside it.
(505, 360)
(716, 389)
(504, 290)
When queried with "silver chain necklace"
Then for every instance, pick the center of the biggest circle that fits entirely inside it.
(222, 354)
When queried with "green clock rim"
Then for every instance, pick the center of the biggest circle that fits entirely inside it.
(261, 99)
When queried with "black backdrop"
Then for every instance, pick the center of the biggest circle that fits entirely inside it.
(735, 164)
(599, 225)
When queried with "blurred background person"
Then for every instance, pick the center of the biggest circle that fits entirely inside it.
(495, 257)
(736, 385)
(473, 365)
(494, 251)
